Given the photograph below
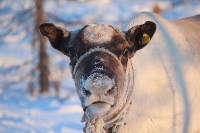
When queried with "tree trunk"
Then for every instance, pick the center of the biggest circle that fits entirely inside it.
(43, 57)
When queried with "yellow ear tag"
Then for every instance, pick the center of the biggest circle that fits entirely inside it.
(145, 38)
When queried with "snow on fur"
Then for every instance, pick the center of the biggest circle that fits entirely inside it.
(98, 33)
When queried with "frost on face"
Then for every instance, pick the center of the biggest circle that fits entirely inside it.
(97, 83)
(100, 59)
(98, 34)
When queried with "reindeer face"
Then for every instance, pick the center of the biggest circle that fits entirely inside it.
(99, 56)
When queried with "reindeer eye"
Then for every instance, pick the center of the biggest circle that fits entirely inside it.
(126, 51)
(70, 52)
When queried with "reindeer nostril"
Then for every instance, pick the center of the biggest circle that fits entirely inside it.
(86, 92)
(111, 91)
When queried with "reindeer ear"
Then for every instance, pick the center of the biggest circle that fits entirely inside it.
(139, 36)
(58, 37)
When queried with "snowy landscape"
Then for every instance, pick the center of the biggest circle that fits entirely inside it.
(26, 111)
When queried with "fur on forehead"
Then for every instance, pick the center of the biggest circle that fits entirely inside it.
(98, 33)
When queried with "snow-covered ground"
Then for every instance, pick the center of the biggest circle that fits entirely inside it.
(22, 113)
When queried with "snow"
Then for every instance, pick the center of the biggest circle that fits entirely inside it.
(15, 38)
(97, 81)
(59, 113)
(43, 114)
(98, 34)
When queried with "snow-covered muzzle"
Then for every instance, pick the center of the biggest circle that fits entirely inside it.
(99, 77)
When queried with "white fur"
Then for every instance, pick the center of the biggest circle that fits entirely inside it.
(98, 33)
(167, 79)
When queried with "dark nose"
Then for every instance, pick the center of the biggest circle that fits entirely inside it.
(100, 85)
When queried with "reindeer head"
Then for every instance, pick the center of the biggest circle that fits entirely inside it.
(99, 55)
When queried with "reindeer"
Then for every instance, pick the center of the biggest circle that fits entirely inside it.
(156, 90)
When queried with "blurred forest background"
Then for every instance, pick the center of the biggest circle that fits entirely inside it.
(29, 67)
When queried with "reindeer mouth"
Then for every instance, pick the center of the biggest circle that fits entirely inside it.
(98, 108)
(98, 102)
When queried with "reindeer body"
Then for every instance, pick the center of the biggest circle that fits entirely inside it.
(155, 90)
(166, 96)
